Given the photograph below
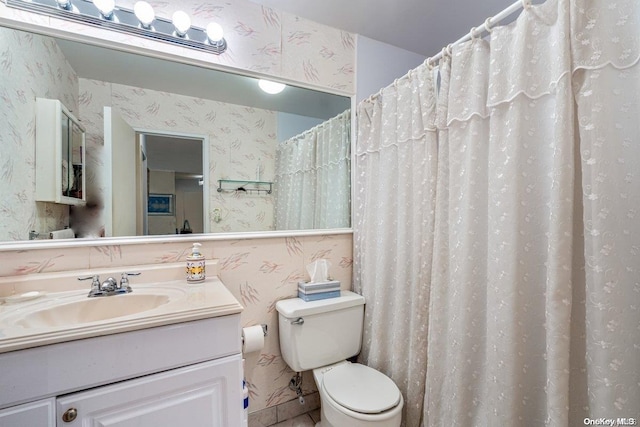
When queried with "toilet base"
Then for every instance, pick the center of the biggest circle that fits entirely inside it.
(334, 415)
(330, 416)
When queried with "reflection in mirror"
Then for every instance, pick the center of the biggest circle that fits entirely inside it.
(174, 166)
(264, 162)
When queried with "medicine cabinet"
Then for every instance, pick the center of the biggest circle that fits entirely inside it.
(60, 154)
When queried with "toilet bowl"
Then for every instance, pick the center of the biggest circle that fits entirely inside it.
(320, 336)
(355, 395)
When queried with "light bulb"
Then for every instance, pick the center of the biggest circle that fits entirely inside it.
(214, 32)
(271, 87)
(181, 22)
(65, 4)
(144, 13)
(105, 7)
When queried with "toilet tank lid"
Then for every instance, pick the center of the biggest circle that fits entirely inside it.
(297, 307)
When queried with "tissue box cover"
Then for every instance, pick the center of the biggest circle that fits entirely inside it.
(318, 295)
(318, 290)
(318, 287)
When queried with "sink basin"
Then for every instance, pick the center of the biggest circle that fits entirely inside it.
(91, 310)
(53, 308)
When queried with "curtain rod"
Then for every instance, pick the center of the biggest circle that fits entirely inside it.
(488, 24)
(485, 27)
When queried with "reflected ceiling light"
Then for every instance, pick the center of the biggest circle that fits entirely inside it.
(144, 12)
(214, 32)
(271, 87)
(107, 14)
(181, 22)
(105, 7)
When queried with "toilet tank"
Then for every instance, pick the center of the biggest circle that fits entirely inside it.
(319, 333)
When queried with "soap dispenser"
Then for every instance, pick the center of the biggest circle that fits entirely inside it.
(195, 265)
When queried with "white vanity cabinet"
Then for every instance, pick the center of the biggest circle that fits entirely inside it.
(197, 396)
(183, 374)
(40, 413)
(60, 154)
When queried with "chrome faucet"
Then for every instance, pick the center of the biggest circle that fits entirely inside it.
(110, 286)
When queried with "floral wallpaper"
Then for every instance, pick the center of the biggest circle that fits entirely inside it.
(32, 66)
(240, 139)
(257, 271)
(259, 39)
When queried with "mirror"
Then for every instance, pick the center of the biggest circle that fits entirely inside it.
(262, 162)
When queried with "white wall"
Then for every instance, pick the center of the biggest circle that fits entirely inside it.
(290, 125)
(379, 64)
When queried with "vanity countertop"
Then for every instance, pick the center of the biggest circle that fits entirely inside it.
(50, 318)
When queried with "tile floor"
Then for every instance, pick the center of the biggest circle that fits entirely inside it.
(288, 414)
(305, 420)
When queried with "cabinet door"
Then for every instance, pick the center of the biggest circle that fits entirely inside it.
(60, 154)
(40, 413)
(203, 395)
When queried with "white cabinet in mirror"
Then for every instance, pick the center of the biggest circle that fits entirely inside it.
(60, 154)
(188, 127)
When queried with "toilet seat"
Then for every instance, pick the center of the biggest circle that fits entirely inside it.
(361, 388)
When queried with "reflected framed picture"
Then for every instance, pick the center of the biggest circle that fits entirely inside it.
(161, 204)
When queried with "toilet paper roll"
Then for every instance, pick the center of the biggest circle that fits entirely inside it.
(252, 339)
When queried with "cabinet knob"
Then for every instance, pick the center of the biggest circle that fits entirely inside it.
(70, 415)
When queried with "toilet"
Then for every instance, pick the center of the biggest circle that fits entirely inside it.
(320, 336)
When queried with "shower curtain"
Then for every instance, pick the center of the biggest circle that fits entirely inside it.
(531, 267)
(393, 216)
(312, 177)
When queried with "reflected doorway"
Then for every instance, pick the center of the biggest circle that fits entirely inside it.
(174, 186)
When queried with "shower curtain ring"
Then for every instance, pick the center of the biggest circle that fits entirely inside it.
(526, 4)
(487, 25)
(428, 64)
(473, 34)
(446, 51)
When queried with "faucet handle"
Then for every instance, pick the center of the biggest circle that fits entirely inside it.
(95, 281)
(124, 280)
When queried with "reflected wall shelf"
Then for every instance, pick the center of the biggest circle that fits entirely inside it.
(244, 185)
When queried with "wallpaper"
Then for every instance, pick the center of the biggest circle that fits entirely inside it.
(259, 39)
(31, 66)
(258, 272)
(240, 139)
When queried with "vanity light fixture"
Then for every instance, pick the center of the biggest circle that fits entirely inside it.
(270, 87)
(145, 14)
(140, 21)
(181, 22)
(105, 7)
(214, 32)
